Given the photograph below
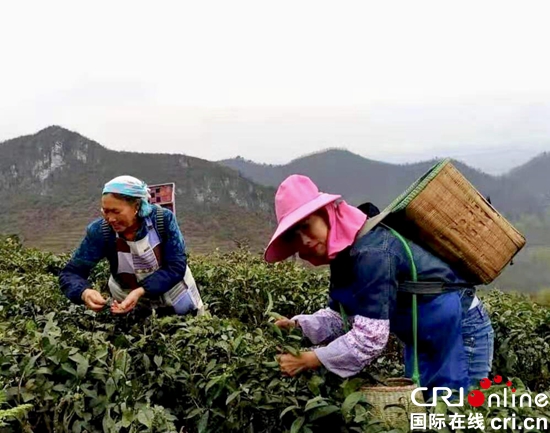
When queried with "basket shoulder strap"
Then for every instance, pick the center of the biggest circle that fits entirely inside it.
(160, 221)
(433, 287)
(106, 230)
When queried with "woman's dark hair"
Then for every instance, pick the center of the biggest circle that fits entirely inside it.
(323, 213)
(289, 234)
(127, 198)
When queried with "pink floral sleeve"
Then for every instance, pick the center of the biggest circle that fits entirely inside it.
(322, 326)
(350, 353)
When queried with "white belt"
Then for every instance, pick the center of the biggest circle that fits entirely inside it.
(475, 303)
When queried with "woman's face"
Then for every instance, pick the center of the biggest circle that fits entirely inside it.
(310, 237)
(120, 214)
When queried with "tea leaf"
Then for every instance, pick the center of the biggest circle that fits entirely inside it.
(350, 402)
(232, 396)
(297, 425)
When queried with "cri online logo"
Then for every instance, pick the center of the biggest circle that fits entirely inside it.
(476, 398)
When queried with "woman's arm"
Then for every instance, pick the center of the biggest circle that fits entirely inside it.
(73, 278)
(375, 295)
(322, 326)
(174, 259)
(349, 354)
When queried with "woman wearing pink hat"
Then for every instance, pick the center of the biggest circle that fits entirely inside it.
(368, 271)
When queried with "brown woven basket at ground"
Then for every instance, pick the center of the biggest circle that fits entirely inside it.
(459, 224)
(392, 403)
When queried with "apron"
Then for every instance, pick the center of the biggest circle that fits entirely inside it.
(139, 259)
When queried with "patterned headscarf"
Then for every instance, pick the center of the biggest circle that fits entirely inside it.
(133, 187)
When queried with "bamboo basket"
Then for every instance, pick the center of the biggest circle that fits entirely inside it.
(392, 403)
(444, 212)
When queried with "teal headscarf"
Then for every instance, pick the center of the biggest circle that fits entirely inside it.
(133, 187)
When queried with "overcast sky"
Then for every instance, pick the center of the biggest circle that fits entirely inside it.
(273, 80)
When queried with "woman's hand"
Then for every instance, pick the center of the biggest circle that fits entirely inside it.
(285, 323)
(292, 365)
(93, 300)
(129, 302)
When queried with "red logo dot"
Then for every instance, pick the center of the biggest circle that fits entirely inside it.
(513, 389)
(485, 383)
(476, 398)
(508, 383)
(498, 379)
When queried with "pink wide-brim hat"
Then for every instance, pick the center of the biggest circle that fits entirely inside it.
(297, 197)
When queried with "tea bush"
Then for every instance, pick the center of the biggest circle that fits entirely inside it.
(242, 286)
(522, 338)
(88, 372)
(11, 413)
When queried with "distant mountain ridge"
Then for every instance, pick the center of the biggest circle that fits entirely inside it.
(535, 177)
(359, 179)
(51, 182)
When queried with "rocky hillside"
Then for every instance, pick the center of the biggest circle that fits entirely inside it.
(51, 182)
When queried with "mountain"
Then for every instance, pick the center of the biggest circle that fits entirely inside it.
(535, 177)
(522, 195)
(359, 179)
(51, 182)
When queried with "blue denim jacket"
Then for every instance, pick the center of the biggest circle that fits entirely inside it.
(365, 278)
(94, 247)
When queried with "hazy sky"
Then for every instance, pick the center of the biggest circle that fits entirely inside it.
(271, 81)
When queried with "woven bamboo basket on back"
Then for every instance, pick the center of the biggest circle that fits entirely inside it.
(444, 212)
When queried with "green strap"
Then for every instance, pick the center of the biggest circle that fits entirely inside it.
(344, 317)
(414, 277)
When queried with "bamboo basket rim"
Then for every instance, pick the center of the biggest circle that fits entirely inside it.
(403, 200)
(480, 262)
(392, 404)
(381, 388)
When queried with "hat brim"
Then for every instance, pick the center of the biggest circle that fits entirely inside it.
(277, 249)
